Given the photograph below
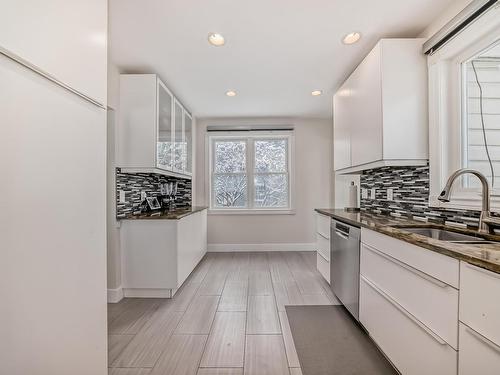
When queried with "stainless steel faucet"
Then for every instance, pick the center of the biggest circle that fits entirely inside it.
(486, 221)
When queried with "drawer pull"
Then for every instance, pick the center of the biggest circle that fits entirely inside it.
(482, 270)
(406, 313)
(483, 339)
(419, 273)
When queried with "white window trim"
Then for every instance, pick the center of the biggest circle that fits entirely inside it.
(445, 106)
(289, 135)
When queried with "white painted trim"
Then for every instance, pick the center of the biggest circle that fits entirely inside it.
(147, 293)
(115, 295)
(224, 247)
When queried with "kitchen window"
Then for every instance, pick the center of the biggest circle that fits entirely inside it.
(250, 173)
(464, 112)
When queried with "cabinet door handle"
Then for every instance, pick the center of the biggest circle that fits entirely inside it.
(417, 322)
(483, 339)
(482, 270)
(419, 273)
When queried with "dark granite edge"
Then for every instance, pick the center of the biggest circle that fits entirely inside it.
(165, 214)
(388, 225)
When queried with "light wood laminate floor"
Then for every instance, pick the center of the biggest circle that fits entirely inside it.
(227, 319)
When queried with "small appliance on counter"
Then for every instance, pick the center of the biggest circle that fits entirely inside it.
(352, 198)
(168, 192)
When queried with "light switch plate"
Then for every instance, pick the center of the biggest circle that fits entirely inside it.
(390, 194)
(122, 196)
(372, 193)
(364, 193)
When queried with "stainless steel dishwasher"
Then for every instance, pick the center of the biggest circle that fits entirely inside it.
(344, 265)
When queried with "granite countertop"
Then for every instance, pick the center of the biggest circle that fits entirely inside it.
(486, 256)
(165, 214)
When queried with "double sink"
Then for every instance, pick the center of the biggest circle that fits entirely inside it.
(447, 235)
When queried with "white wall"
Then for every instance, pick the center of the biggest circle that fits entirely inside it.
(442, 19)
(313, 139)
(113, 232)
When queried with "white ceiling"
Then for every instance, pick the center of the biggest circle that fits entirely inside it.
(276, 52)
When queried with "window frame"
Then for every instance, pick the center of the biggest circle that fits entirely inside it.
(446, 126)
(250, 138)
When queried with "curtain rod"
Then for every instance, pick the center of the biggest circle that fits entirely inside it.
(463, 19)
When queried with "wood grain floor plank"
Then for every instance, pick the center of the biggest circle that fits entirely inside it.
(129, 371)
(199, 316)
(295, 371)
(265, 355)
(226, 342)
(200, 271)
(220, 371)
(291, 352)
(116, 344)
(260, 283)
(148, 344)
(184, 296)
(116, 309)
(213, 284)
(281, 295)
(316, 299)
(131, 321)
(181, 356)
(234, 296)
(262, 317)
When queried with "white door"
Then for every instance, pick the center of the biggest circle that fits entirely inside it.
(52, 228)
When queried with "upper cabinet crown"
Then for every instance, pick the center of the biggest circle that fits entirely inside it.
(155, 131)
(380, 112)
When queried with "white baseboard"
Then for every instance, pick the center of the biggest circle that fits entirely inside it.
(115, 295)
(224, 247)
(147, 293)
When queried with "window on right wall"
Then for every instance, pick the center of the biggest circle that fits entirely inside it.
(464, 112)
(481, 116)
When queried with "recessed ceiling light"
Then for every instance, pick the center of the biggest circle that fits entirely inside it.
(231, 93)
(316, 92)
(216, 39)
(351, 38)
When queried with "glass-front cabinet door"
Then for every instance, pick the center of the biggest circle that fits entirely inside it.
(164, 146)
(188, 143)
(178, 137)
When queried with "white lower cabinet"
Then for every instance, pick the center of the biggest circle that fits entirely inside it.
(411, 346)
(430, 300)
(158, 255)
(323, 245)
(478, 355)
(323, 266)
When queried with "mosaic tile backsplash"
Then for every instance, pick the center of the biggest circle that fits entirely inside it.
(410, 196)
(134, 183)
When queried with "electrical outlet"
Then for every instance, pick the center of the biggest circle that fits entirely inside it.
(372, 193)
(122, 196)
(390, 194)
(143, 195)
(364, 193)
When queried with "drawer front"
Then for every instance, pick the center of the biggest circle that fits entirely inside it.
(439, 266)
(479, 300)
(431, 301)
(411, 347)
(477, 355)
(323, 225)
(323, 266)
(323, 245)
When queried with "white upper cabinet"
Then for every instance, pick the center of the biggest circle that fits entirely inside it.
(70, 42)
(188, 149)
(152, 129)
(380, 112)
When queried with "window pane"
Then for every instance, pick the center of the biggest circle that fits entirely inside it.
(230, 190)
(482, 116)
(271, 190)
(270, 155)
(230, 156)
